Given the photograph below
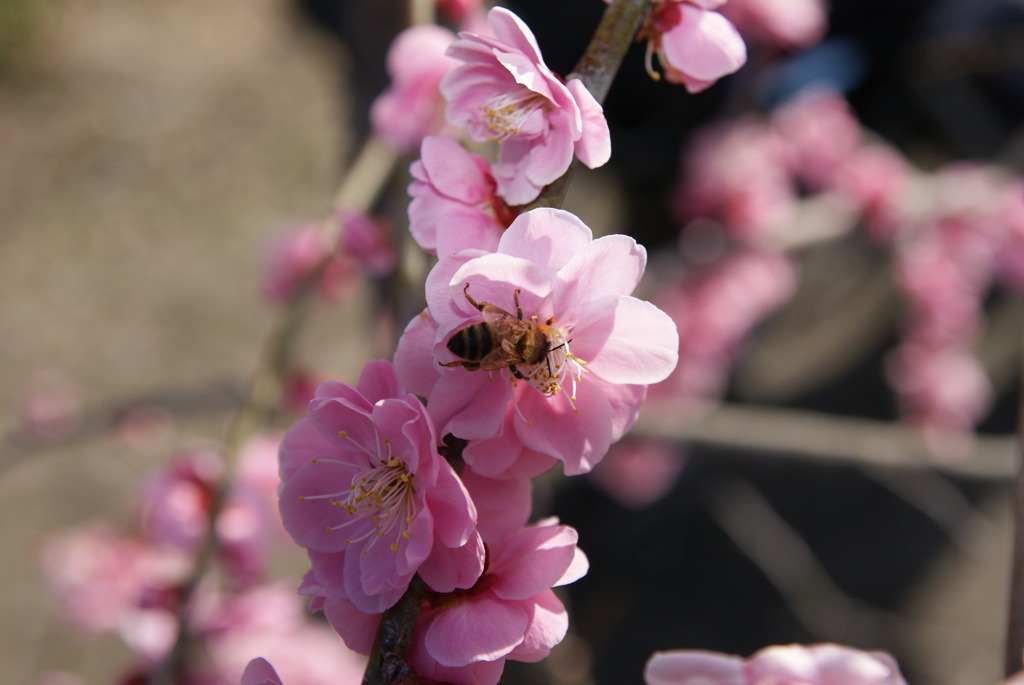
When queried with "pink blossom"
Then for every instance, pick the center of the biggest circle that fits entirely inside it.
(107, 582)
(509, 613)
(603, 347)
(294, 256)
(260, 672)
(366, 492)
(738, 173)
(715, 309)
(332, 251)
(364, 239)
(638, 473)
(696, 45)
(821, 132)
(942, 389)
(503, 91)
(454, 201)
(49, 407)
(876, 178)
(787, 24)
(269, 621)
(175, 504)
(503, 505)
(411, 107)
(820, 664)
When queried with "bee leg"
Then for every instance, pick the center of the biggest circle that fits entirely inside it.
(517, 373)
(515, 298)
(479, 305)
(469, 366)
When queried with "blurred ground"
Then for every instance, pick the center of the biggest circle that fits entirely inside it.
(147, 150)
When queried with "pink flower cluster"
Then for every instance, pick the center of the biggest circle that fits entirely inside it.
(366, 492)
(946, 262)
(335, 253)
(532, 350)
(820, 664)
(715, 308)
(106, 581)
(743, 184)
(748, 174)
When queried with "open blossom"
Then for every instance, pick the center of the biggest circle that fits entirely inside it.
(260, 672)
(738, 173)
(270, 621)
(454, 204)
(788, 24)
(696, 45)
(365, 491)
(105, 581)
(593, 347)
(503, 91)
(820, 664)
(411, 107)
(511, 612)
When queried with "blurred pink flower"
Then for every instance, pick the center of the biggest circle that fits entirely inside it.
(504, 92)
(49, 408)
(821, 132)
(175, 505)
(359, 243)
(876, 179)
(714, 310)
(454, 204)
(106, 582)
(458, 9)
(366, 492)
(364, 239)
(820, 664)
(260, 672)
(696, 45)
(738, 172)
(411, 107)
(638, 473)
(604, 346)
(294, 255)
(269, 621)
(786, 24)
(944, 390)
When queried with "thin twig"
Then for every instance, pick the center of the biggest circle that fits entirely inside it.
(828, 437)
(792, 568)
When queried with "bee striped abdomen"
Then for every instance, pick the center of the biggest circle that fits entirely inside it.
(473, 342)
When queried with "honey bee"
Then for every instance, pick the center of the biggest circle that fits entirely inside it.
(502, 340)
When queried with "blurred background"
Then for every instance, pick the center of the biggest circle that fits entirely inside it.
(150, 151)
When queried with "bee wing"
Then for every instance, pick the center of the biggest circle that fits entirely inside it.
(505, 323)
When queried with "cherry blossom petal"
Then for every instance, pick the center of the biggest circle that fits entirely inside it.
(549, 622)
(547, 237)
(594, 147)
(447, 569)
(612, 265)
(533, 560)
(694, 667)
(481, 629)
(578, 436)
(704, 46)
(260, 672)
(640, 344)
